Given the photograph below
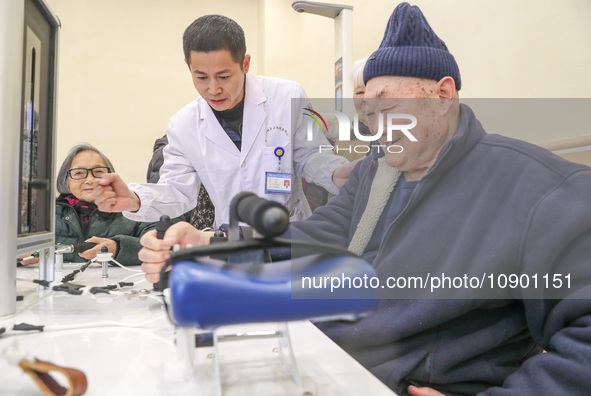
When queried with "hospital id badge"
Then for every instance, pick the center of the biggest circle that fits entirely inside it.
(277, 183)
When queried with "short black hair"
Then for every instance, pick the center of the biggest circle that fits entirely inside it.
(213, 33)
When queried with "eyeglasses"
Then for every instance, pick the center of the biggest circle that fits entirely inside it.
(82, 173)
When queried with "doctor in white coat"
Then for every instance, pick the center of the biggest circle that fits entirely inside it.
(239, 135)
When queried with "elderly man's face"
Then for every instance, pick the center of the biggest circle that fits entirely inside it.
(420, 98)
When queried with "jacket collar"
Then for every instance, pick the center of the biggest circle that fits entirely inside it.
(61, 201)
(468, 133)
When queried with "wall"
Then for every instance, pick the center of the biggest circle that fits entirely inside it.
(122, 73)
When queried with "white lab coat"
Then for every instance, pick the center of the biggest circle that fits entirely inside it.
(200, 151)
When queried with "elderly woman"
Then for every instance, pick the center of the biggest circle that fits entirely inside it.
(77, 218)
(352, 149)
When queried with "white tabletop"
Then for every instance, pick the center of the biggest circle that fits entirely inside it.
(127, 347)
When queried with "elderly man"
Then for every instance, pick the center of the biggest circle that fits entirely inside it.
(457, 201)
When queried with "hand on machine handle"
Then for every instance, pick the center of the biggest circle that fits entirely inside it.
(155, 251)
(161, 226)
(33, 258)
(28, 259)
(74, 248)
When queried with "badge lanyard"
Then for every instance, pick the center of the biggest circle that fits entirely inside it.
(279, 151)
(278, 182)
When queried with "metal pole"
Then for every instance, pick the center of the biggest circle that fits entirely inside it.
(344, 48)
(12, 19)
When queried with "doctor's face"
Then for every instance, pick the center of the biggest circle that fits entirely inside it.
(218, 78)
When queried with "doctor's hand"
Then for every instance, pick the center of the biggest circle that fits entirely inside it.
(422, 391)
(156, 251)
(111, 194)
(341, 174)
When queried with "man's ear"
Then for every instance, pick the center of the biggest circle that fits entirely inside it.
(246, 63)
(446, 88)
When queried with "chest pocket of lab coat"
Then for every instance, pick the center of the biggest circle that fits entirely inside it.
(270, 160)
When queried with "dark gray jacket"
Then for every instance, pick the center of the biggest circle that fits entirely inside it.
(114, 226)
(157, 160)
(490, 204)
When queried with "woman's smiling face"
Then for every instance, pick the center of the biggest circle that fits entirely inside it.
(82, 188)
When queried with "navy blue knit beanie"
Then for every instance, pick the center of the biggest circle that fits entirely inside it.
(411, 48)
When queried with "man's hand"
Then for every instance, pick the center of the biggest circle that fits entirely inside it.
(100, 242)
(111, 194)
(341, 174)
(423, 391)
(156, 251)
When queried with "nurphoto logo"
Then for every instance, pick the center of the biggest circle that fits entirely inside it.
(344, 125)
(316, 117)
